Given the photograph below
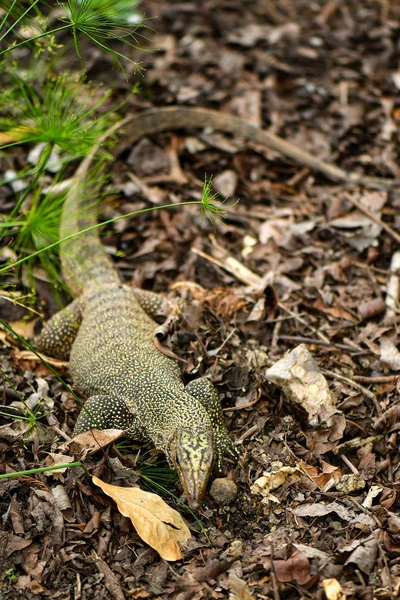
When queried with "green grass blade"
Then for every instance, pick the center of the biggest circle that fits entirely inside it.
(45, 470)
(92, 227)
(17, 21)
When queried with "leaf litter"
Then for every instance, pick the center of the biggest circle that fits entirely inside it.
(298, 264)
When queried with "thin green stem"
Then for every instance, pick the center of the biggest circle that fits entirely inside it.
(15, 417)
(18, 20)
(46, 364)
(74, 34)
(45, 470)
(108, 49)
(23, 341)
(8, 13)
(8, 224)
(74, 235)
(36, 37)
(44, 159)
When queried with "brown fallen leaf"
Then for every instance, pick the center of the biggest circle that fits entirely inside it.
(239, 588)
(24, 328)
(296, 568)
(390, 354)
(11, 543)
(57, 459)
(321, 477)
(364, 555)
(93, 440)
(159, 525)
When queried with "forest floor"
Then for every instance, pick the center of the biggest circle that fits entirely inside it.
(313, 273)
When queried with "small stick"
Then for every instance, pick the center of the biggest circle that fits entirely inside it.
(252, 403)
(377, 379)
(373, 217)
(305, 340)
(357, 386)
(347, 462)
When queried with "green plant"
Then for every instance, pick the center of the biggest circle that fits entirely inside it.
(206, 205)
(9, 573)
(101, 21)
(63, 121)
(61, 112)
(211, 207)
(157, 474)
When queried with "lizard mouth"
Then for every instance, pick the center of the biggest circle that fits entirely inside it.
(193, 486)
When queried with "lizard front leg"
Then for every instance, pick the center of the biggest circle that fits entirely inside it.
(204, 391)
(58, 334)
(107, 412)
(153, 304)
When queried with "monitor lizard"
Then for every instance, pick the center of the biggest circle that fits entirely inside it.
(107, 331)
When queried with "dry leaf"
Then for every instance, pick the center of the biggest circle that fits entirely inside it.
(364, 556)
(390, 355)
(300, 379)
(159, 525)
(94, 439)
(332, 589)
(295, 568)
(11, 543)
(28, 355)
(374, 491)
(272, 480)
(24, 328)
(329, 473)
(318, 509)
(239, 588)
(57, 459)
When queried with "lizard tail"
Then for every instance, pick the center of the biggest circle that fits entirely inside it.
(84, 260)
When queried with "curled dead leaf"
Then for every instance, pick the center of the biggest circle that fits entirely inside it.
(159, 525)
(321, 477)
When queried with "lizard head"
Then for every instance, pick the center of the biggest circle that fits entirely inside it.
(193, 458)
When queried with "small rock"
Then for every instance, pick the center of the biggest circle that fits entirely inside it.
(350, 483)
(223, 490)
(235, 550)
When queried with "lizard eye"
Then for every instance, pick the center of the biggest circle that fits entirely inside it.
(194, 461)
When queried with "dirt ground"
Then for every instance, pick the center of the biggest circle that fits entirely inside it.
(315, 271)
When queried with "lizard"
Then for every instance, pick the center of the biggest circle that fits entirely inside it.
(107, 331)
